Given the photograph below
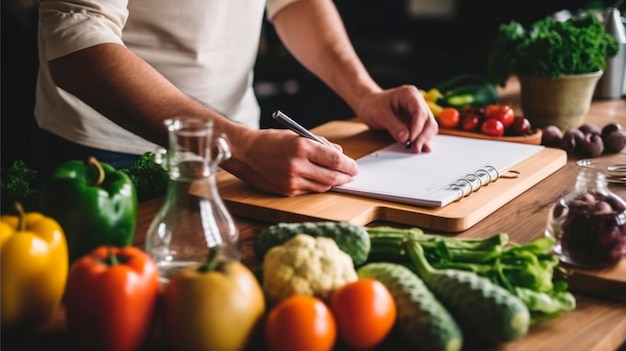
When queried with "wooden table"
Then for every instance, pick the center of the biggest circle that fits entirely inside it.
(597, 324)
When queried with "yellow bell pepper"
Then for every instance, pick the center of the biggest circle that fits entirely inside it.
(434, 108)
(214, 306)
(431, 96)
(34, 267)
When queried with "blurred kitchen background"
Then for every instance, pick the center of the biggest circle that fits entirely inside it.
(419, 42)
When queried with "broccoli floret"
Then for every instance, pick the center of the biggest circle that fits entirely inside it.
(149, 177)
(18, 183)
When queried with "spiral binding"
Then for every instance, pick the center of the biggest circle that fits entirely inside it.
(474, 181)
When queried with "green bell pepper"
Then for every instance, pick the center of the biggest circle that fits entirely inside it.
(94, 203)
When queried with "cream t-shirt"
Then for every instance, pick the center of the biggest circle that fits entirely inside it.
(207, 48)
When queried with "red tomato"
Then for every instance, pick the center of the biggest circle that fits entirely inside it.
(493, 127)
(471, 119)
(302, 323)
(449, 118)
(520, 126)
(503, 113)
(365, 312)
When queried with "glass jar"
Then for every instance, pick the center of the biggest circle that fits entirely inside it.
(589, 223)
(193, 219)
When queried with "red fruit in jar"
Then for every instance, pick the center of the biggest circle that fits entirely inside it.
(591, 233)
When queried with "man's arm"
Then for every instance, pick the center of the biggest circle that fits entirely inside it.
(120, 85)
(313, 32)
(123, 87)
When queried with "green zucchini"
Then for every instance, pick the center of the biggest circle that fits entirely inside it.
(479, 95)
(483, 309)
(351, 238)
(460, 80)
(467, 90)
(421, 319)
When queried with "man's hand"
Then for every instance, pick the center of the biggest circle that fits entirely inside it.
(403, 112)
(281, 162)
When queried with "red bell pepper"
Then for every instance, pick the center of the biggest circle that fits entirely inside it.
(111, 298)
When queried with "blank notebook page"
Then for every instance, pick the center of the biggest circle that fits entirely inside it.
(428, 179)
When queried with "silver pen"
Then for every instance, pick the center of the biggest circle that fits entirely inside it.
(296, 127)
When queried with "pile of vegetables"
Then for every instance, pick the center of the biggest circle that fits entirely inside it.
(20, 182)
(458, 92)
(466, 90)
(525, 270)
(324, 285)
(494, 120)
(316, 297)
(471, 103)
(441, 285)
(112, 297)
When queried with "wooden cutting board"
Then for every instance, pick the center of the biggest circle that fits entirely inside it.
(607, 283)
(358, 140)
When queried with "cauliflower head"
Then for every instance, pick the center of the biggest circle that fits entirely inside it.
(306, 265)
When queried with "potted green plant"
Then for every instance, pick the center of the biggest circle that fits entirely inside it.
(558, 64)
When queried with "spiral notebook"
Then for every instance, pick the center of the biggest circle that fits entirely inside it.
(455, 168)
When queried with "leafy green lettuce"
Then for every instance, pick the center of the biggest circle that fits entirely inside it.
(525, 270)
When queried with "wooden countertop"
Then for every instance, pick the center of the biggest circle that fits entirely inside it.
(597, 324)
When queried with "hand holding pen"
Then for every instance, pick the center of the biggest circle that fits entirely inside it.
(296, 127)
(277, 161)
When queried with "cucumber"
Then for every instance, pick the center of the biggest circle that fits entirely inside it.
(467, 90)
(460, 80)
(351, 238)
(481, 94)
(421, 319)
(483, 309)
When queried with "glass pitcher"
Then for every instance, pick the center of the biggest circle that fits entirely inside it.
(193, 219)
